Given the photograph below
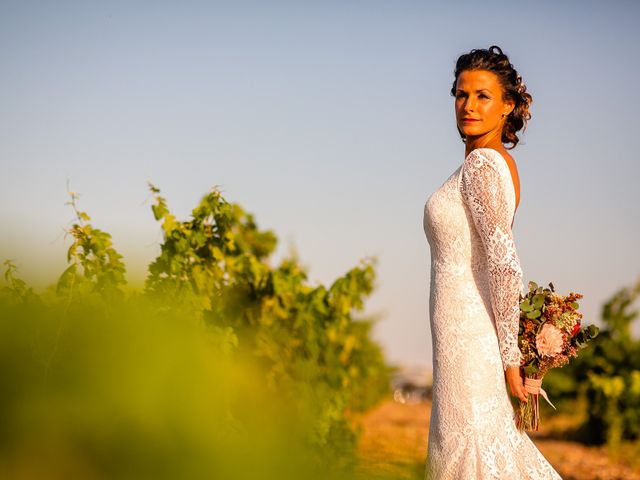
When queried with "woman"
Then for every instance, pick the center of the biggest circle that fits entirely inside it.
(476, 281)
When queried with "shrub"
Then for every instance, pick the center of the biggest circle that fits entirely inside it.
(223, 366)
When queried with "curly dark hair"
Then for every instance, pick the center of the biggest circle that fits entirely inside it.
(493, 60)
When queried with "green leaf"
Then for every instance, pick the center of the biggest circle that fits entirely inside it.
(153, 188)
(525, 306)
(530, 370)
(538, 301)
(159, 211)
(534, 314)
(592, 331)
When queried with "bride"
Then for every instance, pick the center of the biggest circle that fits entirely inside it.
(476, 281)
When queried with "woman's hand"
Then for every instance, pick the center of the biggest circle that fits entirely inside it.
(515, 379)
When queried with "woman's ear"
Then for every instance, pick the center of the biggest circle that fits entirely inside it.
(509, 105)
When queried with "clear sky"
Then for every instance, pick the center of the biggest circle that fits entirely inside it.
(331, 121)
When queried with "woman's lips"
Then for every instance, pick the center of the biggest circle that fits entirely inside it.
(470, 120)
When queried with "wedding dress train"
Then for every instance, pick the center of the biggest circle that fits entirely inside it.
(475, 284)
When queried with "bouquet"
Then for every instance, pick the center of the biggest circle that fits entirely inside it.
(550, 334)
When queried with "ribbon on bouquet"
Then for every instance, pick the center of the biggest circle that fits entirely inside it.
(534, 386)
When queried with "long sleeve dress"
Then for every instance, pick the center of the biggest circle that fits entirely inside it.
(476, 280)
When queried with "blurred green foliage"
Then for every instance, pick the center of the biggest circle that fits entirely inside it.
(222, 367)
(607, 376)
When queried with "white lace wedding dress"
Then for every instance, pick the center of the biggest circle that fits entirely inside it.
(476, 280)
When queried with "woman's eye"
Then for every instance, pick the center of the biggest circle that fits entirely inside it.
(482, 95)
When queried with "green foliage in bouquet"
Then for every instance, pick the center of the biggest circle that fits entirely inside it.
(607, 377)
(540, 306)
(550, 333)
(224, 366)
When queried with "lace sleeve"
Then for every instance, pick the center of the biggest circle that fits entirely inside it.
(486, 189)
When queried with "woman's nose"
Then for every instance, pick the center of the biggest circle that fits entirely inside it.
(470, 105)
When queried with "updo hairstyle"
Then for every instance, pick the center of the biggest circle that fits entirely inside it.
(513, 88)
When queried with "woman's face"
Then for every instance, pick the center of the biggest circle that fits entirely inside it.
(479, 104)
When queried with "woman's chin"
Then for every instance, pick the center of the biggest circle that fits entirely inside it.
(470, 131)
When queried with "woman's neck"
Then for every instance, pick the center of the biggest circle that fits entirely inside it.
(490, 140)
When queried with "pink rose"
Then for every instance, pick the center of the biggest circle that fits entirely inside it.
(549, 341)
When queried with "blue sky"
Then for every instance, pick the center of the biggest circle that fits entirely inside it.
(330, 121)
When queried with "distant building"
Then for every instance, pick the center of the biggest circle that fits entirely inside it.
(411, 384)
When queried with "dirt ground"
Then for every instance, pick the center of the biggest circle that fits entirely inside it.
(394, 441)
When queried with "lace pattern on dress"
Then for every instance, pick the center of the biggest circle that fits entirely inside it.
(488, 191)
(473, 310)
